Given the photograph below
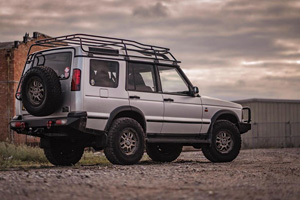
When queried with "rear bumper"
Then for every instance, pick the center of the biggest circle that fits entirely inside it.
(39, 126)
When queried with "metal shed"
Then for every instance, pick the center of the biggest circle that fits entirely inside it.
(275, 123)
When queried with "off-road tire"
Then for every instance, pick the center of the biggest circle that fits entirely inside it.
(114, 151)
(51, 91)
(211, 151)
(63, 153)
(163, 152)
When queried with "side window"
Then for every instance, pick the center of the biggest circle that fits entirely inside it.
(171, 81)
(141, 77)
(104, 73)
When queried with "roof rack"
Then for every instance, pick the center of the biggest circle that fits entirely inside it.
(103, 46)
(145, 51)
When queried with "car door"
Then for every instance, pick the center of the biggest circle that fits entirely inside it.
(182, 112)
(143, 94)
(104, 88)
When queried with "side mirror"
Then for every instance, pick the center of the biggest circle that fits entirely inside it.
(195, 90)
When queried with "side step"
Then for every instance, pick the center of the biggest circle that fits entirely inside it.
(183, 139)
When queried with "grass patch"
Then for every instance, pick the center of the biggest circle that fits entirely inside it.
(20, 155)
(90, 158)
(23, 156)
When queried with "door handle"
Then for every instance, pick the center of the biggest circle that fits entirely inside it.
(169, 99)
(134, 97)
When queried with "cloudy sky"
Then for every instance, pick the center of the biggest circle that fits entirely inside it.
(230, 49)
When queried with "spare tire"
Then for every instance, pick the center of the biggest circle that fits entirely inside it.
(41, 91)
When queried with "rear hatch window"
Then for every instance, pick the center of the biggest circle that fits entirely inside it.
(59, 62)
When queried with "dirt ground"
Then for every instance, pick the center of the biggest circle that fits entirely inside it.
(255, 174)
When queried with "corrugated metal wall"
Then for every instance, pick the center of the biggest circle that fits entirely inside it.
(275, 124)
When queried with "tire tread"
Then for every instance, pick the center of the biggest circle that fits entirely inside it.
(211, 153)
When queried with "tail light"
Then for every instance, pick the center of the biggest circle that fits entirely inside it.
(49, 124)
(60, 122)
(76, 80)
(21, 125)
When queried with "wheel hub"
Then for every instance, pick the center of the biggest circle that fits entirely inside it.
(128, 142)
(224, 142)
(36, 92)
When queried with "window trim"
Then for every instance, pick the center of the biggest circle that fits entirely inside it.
(117, 75)
(182, 76)
(157, 77)
(154, 76)
(51, 53)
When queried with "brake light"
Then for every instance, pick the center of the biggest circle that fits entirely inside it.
(75, 86)
(49, 124)
(60, 122)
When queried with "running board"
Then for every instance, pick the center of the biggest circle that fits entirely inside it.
(177, 140)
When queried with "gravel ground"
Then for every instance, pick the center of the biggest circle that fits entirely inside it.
(255, 174)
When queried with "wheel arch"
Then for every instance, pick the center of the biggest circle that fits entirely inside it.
(223, 115)
(127, 111)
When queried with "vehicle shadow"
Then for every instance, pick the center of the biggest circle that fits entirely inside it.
(150, 162)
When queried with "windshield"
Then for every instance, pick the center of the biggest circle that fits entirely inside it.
(59, 62)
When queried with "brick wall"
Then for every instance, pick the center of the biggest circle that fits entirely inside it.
(4, 115)
(12, 62)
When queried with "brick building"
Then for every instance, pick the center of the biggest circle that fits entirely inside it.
(12, 59)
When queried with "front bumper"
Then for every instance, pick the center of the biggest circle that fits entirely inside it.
(245, 125)
(39, 126)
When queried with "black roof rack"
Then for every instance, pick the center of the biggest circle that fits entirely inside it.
(145, 51)
(103, 46)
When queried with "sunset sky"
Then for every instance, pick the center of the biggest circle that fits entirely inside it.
(230, 49)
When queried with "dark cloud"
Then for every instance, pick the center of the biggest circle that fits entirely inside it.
(156, 11)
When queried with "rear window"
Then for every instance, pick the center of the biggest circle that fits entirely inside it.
(59, 62)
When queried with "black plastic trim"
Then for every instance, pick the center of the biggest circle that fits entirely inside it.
(174, 134)
(215, 117)
(249, 114)
(180, 122)
(181, 138)
(120, 109)
(178, 140)
(77, 114)
(244, 127)
(93, 117)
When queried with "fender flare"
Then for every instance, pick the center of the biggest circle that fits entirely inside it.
(216, 116)
(120, 109)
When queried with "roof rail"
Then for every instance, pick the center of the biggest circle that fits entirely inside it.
(155, 53)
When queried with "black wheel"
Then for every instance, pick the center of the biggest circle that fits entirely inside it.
(41, 91)
(125, 142)
(226, 142)
(63, 152)
(163, 152)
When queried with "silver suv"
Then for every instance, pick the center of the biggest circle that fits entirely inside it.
(121, 96)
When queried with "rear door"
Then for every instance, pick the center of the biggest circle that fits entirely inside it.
(61, 61)
(104, 90)
(182, 112)
(143, 94)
